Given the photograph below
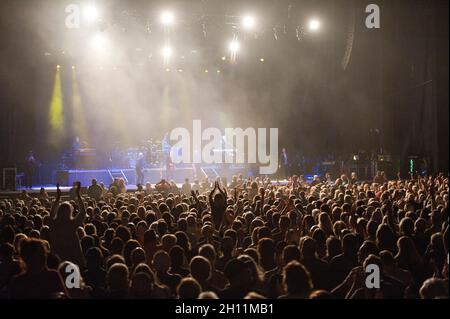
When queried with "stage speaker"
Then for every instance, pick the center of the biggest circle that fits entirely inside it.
(9, 178)
(62, 177)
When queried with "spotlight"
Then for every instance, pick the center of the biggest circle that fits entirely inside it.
(234, 46)
(98, 41)
(314, 25)
(248, 22)
(167, 18)
(90, 13)
(167, 52)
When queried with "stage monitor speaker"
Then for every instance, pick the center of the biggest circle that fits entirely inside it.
(9, 178)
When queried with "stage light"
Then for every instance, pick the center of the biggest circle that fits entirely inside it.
(99, 41)
(234, 46)
(248, 22)
(167, 18)
(55, 114)
(167, 52)
(90, 13)
(314, 25)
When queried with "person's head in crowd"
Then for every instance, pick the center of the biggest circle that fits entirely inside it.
(434, 288)
(255, 270)
(114, 259)
(150, 237)
(188, 288)
(266, 252)
(407, 252)
(208, 295)
(367, 248)
(349, 245)
(34, 253)
(141, 285)
(297, 280)
(407, 226)
(177, 257)
(238, 273)
(117, 280)
(94, 258)
(254, 295)
(161, 262)
(128, 249)
(308, 248)
(137, 256)
(209, 252)
(290, 253)
(200, 269)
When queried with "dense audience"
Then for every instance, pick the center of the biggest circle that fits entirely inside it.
(244, 239)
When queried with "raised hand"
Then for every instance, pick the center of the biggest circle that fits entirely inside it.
(78, 185)
(58, 192)
(55, 204)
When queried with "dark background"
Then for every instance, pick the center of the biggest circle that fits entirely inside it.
(395, 81)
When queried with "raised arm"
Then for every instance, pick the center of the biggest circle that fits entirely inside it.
(222, 191)
(197, 201)
(211, 194)
(55, 204)
(78, 220)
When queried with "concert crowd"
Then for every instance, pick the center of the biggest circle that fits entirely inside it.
(247, 238)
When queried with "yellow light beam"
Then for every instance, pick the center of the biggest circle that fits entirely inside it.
(56, 110)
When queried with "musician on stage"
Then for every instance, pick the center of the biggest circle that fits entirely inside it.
(284, 163)
(76, 144)
(30, 164)
(140, 163)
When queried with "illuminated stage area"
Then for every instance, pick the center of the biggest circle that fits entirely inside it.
(224, 149)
